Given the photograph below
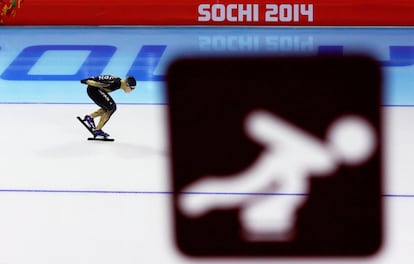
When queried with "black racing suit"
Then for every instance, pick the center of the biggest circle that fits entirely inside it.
(98, 89)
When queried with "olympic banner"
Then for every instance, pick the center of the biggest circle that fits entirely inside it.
(217, 12)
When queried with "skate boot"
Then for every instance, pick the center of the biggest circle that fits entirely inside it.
(100, 133)
(90, 121)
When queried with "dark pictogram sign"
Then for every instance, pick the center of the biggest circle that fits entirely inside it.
(276, 156)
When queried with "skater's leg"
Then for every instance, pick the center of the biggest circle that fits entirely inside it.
(98, 113)
(90, 118)
(104, 118)
(105, 101)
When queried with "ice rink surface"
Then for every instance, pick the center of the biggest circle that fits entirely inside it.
(68, 200)
(64, 199)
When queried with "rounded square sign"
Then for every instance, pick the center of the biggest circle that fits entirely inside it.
(276, 156)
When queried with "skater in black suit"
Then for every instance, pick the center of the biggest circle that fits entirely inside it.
(98, 90)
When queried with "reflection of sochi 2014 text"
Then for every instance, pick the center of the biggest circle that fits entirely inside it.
(254, 43)
(269, 13)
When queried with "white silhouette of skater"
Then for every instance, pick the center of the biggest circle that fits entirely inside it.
(290, 157)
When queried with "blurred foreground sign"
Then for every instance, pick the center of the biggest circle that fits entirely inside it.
(276, 156)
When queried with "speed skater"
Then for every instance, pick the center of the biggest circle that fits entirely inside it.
(98, 90)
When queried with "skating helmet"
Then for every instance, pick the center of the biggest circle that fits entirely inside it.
(131, 82)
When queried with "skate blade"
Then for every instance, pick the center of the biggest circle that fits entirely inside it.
(101, 139)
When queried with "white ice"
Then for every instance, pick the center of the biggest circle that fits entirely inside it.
(44, 147)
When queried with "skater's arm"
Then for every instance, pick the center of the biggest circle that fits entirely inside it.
(97, 84)
(98, 81)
